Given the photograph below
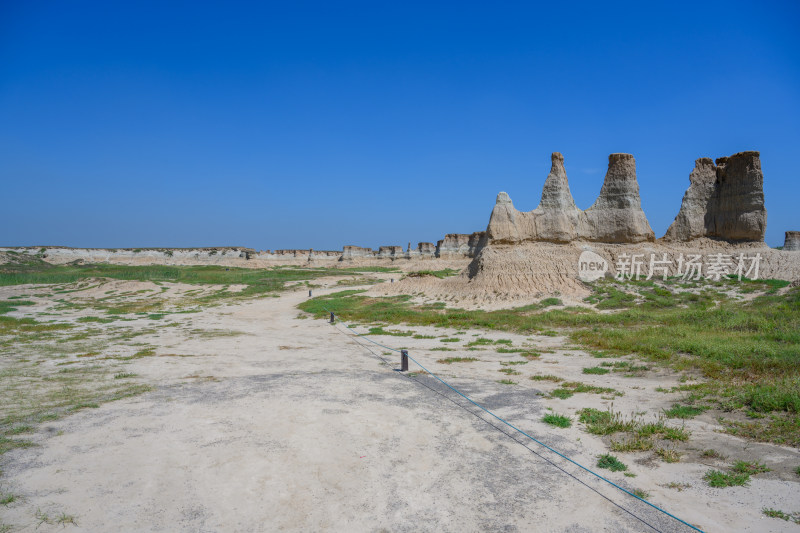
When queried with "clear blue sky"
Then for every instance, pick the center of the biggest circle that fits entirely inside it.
(320, 124)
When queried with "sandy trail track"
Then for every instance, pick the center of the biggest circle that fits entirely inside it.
(298, 427)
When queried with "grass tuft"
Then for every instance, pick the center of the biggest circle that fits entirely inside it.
(684, 411)
(450, 360)
(611, 463)
(561, 421)
(596, 370)
(750, 468)
(719, 479)
(789, 517)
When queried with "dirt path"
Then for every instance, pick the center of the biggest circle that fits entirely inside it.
(296, 426)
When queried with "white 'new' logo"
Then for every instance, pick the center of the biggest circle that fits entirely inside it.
(591, 266)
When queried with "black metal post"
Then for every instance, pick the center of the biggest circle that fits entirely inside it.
(332, 319)
(403, 360)
(309, 294)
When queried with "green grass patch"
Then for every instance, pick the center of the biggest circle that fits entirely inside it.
(610, 462)
(789, 517)
(561, 421)
(639, 435)
(380, 331)
(625, 366)
(7, 444)
(719, 479)
(547, 377)
(603, 422)
(684, 411)
(97, 319)
(7, 306)
(779, 428)
(480, 341)
(573, 387)
(441, 274)
(750, 468)
(596, 370)
(548, 302)
(450, 360)
(511, 350)
(32, 269)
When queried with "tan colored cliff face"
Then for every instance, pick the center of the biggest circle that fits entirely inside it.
(557, 217)
(724, 201)
(390, 251)
(792, 241)
(739, 199)
(690, 222)
(615, 217)
(461, 244)
(352, 252)
(426, 248)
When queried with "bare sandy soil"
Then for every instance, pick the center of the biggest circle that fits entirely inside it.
(293, 424)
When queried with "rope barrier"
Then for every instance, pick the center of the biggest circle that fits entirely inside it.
(515, 428)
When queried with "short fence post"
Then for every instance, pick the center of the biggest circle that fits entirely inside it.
(309, 294)
(332, 319)
(403, 360)
(392, 280)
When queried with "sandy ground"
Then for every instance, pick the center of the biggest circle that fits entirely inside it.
(299, 426)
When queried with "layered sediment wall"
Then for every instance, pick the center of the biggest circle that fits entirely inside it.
(453, 246)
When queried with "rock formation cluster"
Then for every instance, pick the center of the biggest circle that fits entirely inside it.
(460, 244)
(725, 201)
(454, 245)
(615, 217)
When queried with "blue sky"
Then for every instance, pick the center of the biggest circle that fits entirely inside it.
(315, 125)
